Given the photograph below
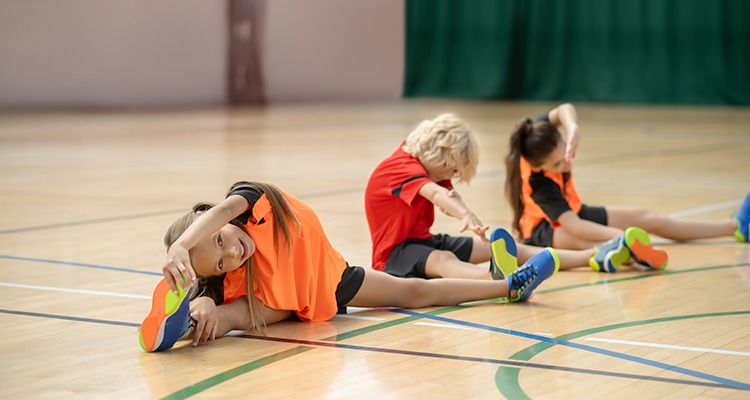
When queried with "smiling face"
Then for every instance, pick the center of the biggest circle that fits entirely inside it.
(225, 250)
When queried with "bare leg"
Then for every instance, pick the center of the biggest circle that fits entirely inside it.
(380, 289)
(564, 239)
(569, 259)
(667, 227)
(445, 264)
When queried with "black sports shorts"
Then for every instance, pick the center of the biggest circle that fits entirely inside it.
(542, 234)
(408, 259)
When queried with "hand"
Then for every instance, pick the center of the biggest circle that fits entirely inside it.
(572, 146)
(472, 223)
(203, 310)
(177, 268)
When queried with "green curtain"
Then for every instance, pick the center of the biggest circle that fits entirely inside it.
(635, 51)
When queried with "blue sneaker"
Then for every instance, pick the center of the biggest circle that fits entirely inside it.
(504, 259)
(530, 275)
(610, 255)
(743, 221)
(169, 319)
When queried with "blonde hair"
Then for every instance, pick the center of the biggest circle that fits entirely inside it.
(281, 212)
(445, 140)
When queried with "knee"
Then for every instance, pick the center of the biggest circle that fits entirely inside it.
(441, 257)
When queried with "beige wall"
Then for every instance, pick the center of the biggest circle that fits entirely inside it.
(144, 53)
(334, 49)
(112, 53)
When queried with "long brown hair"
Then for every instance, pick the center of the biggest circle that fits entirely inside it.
(212, 286)
(534, 142)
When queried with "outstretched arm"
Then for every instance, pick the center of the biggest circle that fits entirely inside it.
(565, 115)
(450, 203)
(177, 268)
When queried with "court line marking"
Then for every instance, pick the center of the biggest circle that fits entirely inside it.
(701, 210)
(70, 318)
(695, 374)
(75, 264)
(78, 291)
(670, 346)
(449, 326)
(507, 378)
(362, 317)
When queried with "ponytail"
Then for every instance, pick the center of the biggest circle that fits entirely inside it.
(513, 170)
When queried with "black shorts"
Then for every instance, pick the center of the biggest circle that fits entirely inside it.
(408, 259)
(351, 281)
(542, 233)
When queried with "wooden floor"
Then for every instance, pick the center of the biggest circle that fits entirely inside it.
(87, 197)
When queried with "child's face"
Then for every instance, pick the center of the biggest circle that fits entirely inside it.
(555, 162)
(226, 250)
(440, 171)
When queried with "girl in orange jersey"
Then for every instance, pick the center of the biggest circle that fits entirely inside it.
(261, 256)
(548, 211)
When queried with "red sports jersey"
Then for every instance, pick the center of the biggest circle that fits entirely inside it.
(395, 210)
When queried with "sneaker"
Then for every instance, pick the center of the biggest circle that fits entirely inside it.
(504, 254)
(610, 255)
(169, 319)
(641, 250)
(530, 275)
(743, 221)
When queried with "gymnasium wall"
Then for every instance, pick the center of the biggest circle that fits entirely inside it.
(140, 53)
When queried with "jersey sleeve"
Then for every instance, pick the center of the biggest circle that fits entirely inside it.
(542, 117)
(408, 190)
(547, 195)
(252, 195)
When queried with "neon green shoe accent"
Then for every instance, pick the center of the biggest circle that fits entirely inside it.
(738, 233)
(557, 260)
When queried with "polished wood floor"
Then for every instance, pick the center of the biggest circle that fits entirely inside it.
(87, 196)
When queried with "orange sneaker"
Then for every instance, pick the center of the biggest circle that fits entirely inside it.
(169, 319)
(641, 250)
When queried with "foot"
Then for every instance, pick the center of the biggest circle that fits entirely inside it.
(530, 275)
(169, 319)
(610, 255)
(743, 221)
(639, 244)
(504, 254)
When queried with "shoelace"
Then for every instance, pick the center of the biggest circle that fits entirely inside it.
(527, 276)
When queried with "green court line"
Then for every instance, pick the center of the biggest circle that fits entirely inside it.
(237, 371)
(507, 378)
(222, 377)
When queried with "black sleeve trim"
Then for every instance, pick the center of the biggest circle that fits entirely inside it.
(397, 190)
(252, 194)
(548, 196)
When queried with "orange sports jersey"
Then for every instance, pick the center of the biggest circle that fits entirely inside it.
(532, 213)
(303, 280)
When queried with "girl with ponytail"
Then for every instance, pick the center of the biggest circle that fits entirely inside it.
(548, 211)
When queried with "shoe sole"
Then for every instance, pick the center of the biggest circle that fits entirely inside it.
(504, 254)
(639, 243)
(613, 260)
(164, 304)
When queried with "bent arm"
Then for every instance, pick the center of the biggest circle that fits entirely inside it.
(565, 115)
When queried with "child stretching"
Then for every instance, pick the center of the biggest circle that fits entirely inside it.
(400, 201)
(547, 210)
(262, 256)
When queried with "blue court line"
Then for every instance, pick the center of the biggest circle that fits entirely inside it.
(515, 363)
(70, 318)
(41, 260)
(657, 364)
